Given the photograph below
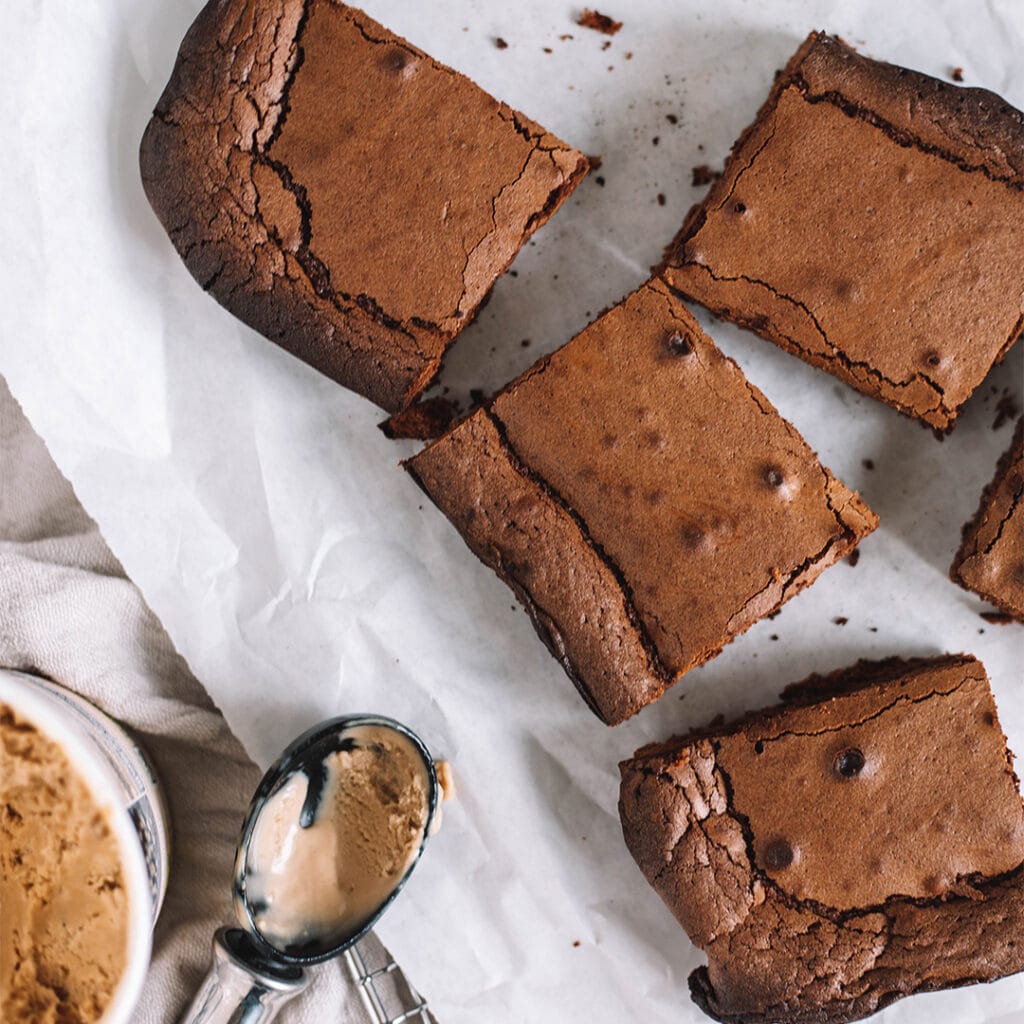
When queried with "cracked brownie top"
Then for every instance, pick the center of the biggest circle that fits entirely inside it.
(869, 222)
(991, 558)
(860, 842)
(339, 190)
(644, 500)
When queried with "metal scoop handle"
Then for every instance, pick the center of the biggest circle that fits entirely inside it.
(242, 987)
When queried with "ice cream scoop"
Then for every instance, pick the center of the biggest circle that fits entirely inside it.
(332, 834)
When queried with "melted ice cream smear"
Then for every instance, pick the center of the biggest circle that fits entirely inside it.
(330, 846)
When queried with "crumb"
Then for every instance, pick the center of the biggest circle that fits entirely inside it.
(525, 343)
(1006, 409)
(840, 620)
(606, 44)
(774, 636)
(655, 140)
(661, 198)
(702, 174)
(672, 119)
(957, 74)
(600, 180)
(868, 463)
(564, 36)
(997, 618)
(599, 22)
(423, 421)
(872, 629)
(511, 273)
(547, 49)
(853, 557)
(981, 631)
(595, 162)
(500, 43)
(629, 55)
(576, 944)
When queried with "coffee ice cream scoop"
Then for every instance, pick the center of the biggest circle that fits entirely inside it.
(331, 836)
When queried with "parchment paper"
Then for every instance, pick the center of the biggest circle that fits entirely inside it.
(302, 573)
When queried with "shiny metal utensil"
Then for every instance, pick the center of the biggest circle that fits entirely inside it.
(251, 978)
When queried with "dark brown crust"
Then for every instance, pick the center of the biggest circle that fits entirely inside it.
(822, 965)
(1001, 499)
(515, 525)
(972, 128)
(208, 172)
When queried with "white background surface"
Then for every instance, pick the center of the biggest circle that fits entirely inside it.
(303, 574)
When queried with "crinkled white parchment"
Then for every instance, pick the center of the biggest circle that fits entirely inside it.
(302, 573)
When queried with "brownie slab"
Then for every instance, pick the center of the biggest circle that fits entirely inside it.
(859, 843)
(869, 221)
(643, 500)
(991, 558)
(339, 190)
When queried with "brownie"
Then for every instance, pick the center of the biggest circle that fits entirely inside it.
(643, 500)
(859, 843)
(869, 221)
(339, 190)
(991, 558)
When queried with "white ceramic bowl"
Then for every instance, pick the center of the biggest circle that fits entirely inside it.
(122, 783)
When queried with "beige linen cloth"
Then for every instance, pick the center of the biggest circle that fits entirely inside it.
(68, 612)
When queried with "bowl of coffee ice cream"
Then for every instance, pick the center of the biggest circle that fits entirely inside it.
(81, 877)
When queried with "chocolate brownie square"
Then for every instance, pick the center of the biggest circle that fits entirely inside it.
(339, 190)
(859, 843)
(991, 558)
(870, 222)
(644, 501)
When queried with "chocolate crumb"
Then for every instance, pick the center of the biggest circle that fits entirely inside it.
(525, 343)
(655, 140)
(872, 629)
(595, 162)
(661, 199)
(957, 74)
(576, 944)
(1006, 409)
(774, 636)
(629, 55)
(600, 180)
(547, 49)
(564, 36)
(606, 44)
(868, 463)
(997, 618)
(672, 119)
(840, 620)
(423, 421)
(853, 557)
(500, 43)
(599, 22)
(702, 174)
